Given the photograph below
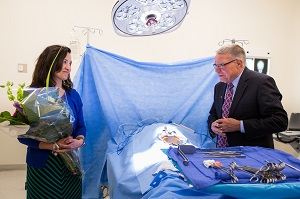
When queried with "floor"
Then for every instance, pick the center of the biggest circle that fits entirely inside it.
(12, 184)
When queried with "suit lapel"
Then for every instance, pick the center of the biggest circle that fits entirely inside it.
(220, 101)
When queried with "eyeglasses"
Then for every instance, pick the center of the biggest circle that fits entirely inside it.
(222, 65)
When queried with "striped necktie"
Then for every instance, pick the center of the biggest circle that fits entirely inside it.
(222, 140)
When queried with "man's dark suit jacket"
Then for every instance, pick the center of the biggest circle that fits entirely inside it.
(257, 101)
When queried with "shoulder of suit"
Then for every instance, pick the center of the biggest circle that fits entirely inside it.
(220, 85)
(250, 74)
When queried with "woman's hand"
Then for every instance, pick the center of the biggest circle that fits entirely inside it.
(69, 144)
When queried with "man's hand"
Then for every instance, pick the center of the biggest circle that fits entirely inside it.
(225, 125)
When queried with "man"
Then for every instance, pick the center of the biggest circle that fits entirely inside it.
(254, 103)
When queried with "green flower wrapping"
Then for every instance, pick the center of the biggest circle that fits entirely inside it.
(72, 162)
(51, 119)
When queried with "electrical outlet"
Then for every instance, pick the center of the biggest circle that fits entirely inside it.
(22, 68)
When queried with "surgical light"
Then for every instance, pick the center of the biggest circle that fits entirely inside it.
(148, 17)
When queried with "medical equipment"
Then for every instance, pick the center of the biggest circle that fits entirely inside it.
(290, 137)
(212, 153)
(148, 17)
(224, 156)
(292, 167)
(218, 165)
(292, 134)
(185, 159)
(269, 173)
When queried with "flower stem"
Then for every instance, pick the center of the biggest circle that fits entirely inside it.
(49, 72)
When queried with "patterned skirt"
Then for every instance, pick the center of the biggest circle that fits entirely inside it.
(54, 181)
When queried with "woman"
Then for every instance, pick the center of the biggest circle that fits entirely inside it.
(47, 175)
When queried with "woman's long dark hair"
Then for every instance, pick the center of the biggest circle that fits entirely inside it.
(43, 64)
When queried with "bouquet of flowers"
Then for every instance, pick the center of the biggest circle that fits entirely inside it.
(46, 113)
(16, 123)
(49, 118)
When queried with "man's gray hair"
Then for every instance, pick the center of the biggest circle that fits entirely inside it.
(234, 50)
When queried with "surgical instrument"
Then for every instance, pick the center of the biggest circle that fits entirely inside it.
(292, 167)
(185, 159)
(224, 156)
(218, 165)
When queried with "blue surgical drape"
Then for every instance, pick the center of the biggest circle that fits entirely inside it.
(116, 90)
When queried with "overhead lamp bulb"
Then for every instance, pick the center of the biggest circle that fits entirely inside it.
(151, 19)
(148, 17)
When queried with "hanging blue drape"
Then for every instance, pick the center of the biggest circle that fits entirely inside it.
(116, 90)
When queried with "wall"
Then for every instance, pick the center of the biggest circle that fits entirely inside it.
(27, 27)
(294, 71)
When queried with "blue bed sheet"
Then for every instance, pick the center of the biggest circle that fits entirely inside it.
(130, 172)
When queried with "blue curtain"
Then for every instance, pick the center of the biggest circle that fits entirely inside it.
(116, 90)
